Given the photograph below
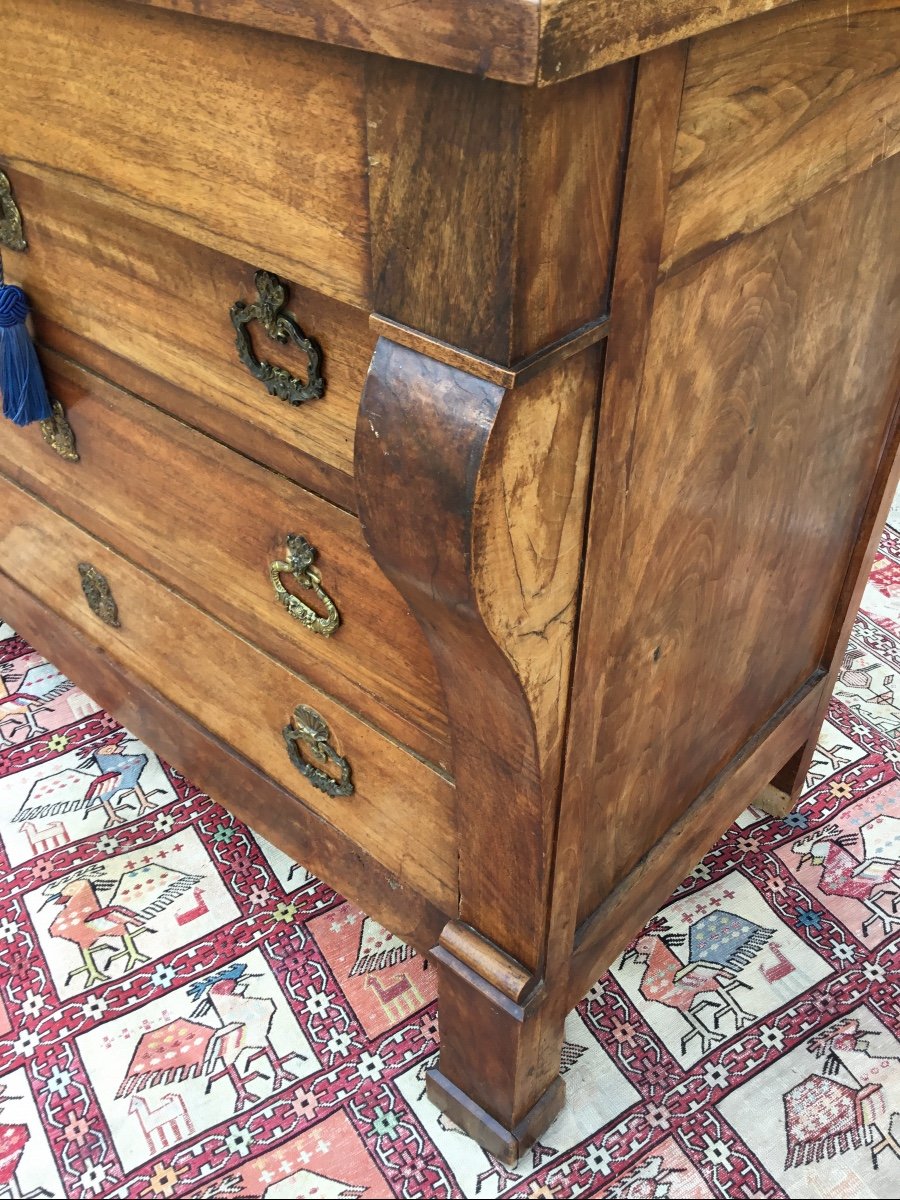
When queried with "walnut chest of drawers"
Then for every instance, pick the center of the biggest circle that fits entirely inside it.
(473, 424)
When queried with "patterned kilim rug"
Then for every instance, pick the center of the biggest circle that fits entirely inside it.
(185, 1012)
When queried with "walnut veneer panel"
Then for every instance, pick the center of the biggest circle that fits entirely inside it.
(770, 376)
(775, 112)
(209, 522)
(511, 198)
(152, 314)
(239, 694)
(242, 140)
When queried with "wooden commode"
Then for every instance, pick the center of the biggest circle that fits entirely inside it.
(473, 426)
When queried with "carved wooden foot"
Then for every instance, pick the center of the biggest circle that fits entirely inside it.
(498, 1076)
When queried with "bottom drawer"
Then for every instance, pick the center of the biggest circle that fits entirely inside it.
(400, 810)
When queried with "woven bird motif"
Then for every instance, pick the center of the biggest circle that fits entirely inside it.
(720, 946)
(726, 939)
(873, 880)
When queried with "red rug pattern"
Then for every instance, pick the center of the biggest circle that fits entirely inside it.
(186, 1012)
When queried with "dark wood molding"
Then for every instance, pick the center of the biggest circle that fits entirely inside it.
(520, 41)
(444, 460)
(421, 441)
(482, 368)
(497, 41)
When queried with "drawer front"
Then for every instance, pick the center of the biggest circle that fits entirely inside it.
(150, 310)
(400, 811)
(235, 138)
(211, 523)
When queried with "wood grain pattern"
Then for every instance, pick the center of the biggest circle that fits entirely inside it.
(498, 1074)
(568, 206)
(747, 454)
(521, 41)
(422, 432)
(497, 40)
(520, 372)
(150, 311)
(497, 969)
(469, 181)
(884, 487)
(657, 101)
(528, 534)
(583, 35)
(776, 112)
(219, 770)
(136, 461)
(242, 140)
(442, 458)
(416, 842)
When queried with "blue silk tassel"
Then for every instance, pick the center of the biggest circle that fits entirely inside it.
(21, 382)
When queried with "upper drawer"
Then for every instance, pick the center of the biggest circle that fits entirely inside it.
(210, 523)
(150, 309)
(236, 138)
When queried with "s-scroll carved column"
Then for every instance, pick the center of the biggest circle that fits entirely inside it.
(493, 213)
(473, 500)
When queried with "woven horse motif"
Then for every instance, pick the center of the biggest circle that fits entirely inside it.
(186, 1049)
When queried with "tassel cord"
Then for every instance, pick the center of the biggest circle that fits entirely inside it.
(22, 385)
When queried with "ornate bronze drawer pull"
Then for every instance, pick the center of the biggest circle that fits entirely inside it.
(57, 433)
(308, 727)
(299, 562)
(98, 594)
(281, 327)
(11, 234)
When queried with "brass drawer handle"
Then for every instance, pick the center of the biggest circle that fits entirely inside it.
(308, 727)
(281, 327)
(11, 234)
(299, 563)
(57, 433)
(98, 594)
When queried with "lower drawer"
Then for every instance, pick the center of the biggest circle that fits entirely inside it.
(400, 810)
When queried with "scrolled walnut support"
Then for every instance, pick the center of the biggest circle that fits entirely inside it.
(472, 498)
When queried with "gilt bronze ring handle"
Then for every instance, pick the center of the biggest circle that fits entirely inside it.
(299, 563)
(308, 728)
(281, 327)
